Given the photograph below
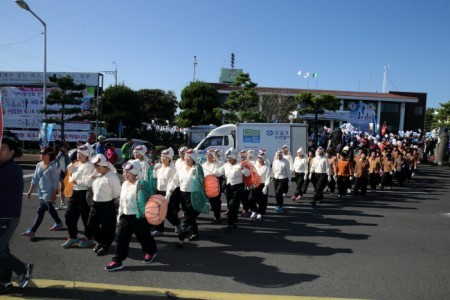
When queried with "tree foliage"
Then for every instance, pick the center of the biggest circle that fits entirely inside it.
(200, 104)
(243, 103)
(316, 104)
(157, 105)
(277, 107)
(68, 96)
(120, 103)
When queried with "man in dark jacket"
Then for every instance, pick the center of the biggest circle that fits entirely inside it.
(11, 192)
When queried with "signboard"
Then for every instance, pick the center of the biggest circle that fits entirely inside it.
(271, 137)
(361, 115)
(36, 78)
(340, 115)
(69, 136)
(22, 106)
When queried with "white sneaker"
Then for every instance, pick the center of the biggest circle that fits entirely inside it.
(253, 216)
(259, 217)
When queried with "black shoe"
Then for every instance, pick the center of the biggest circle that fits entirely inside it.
(5, 286)
(102, 251)
(96, 248)
(193, 237)
(216, 221)
(179, 245)
(25, 278)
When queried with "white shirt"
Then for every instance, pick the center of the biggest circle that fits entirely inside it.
(210, 167)
(233, 173)
(106, 187)
(281, 169)
(81, 172)
(300, 165)
(164, 176)
(288, 157)
(320, 165)
(184, 178)
(179, 164)
(263, 172)
(145, 166)
(128, 203)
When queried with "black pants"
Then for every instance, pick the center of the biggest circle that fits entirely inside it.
(102, 223)
(129, 225)
(300, 181)
(343, 183)
(8, 262)
(173, 207)
(360, 184)
(42, 208)
(245, 200)
(234, 196)
(386, 179)
(77, 207)
(374, 180)
(320, 182)
(331, 185)
(190, 217)
(280, 185)
(216, 206)
(258, 201)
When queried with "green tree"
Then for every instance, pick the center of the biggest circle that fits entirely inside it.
(277, 107)
(153, 101)
(200, 104)
(430, 119)
(120, 103)
(316, 104)
(68, 98)
(243, 103)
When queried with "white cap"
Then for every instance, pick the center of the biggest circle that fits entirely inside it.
(300, 151)
(141, 149)
(132, 166)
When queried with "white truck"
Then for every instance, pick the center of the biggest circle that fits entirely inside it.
(254, 136)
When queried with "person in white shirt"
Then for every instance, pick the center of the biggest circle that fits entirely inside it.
(209, 168)
(259, 195)
(102, 219)
(164, 172)
(80, 172)
(140, 156)
(184, 179)
(233, 172)
(129, 224)
(319, 173)
(246, 194)
(300, 168)
(287, 155)
(281, 173)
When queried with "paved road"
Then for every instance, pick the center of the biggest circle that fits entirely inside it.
(389, 245)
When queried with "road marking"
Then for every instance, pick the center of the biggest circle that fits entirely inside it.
(158, 292)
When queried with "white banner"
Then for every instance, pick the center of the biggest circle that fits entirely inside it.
(70, 136)
(35, 78)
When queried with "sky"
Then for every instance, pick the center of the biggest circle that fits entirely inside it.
(348, 43)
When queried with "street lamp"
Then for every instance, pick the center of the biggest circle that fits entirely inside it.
(24, 5)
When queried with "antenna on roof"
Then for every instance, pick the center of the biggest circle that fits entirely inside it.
(195, 65)
(385, 78)
(232, 60)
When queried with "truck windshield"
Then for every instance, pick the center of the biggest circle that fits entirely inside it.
(212, 141)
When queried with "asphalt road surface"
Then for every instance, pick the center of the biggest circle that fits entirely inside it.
(387, 245)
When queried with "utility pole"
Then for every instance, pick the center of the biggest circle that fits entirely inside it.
(385, 78)
(112, 73)
(195, 65)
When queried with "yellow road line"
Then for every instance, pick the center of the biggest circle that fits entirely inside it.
(156, 292)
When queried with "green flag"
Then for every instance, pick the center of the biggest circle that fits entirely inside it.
(315, 75)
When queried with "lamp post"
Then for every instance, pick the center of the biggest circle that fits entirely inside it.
(22, 4)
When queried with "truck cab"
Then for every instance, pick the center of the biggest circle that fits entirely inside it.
(222, 138)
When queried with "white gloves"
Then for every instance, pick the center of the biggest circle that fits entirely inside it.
(310, 176)
(335, 177)
(306, 176)
(329, 178)
(264, 190)
(351, 178)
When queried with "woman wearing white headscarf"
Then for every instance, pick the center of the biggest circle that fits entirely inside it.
(140, 156)
(281, 173)
(319, 173)
(300, 168)
(259, 195)
(164, 173)
(80, 172)
(130, 223)
(102, 219)
(210, 166)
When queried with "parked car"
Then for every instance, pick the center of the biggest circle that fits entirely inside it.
(118, 143)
